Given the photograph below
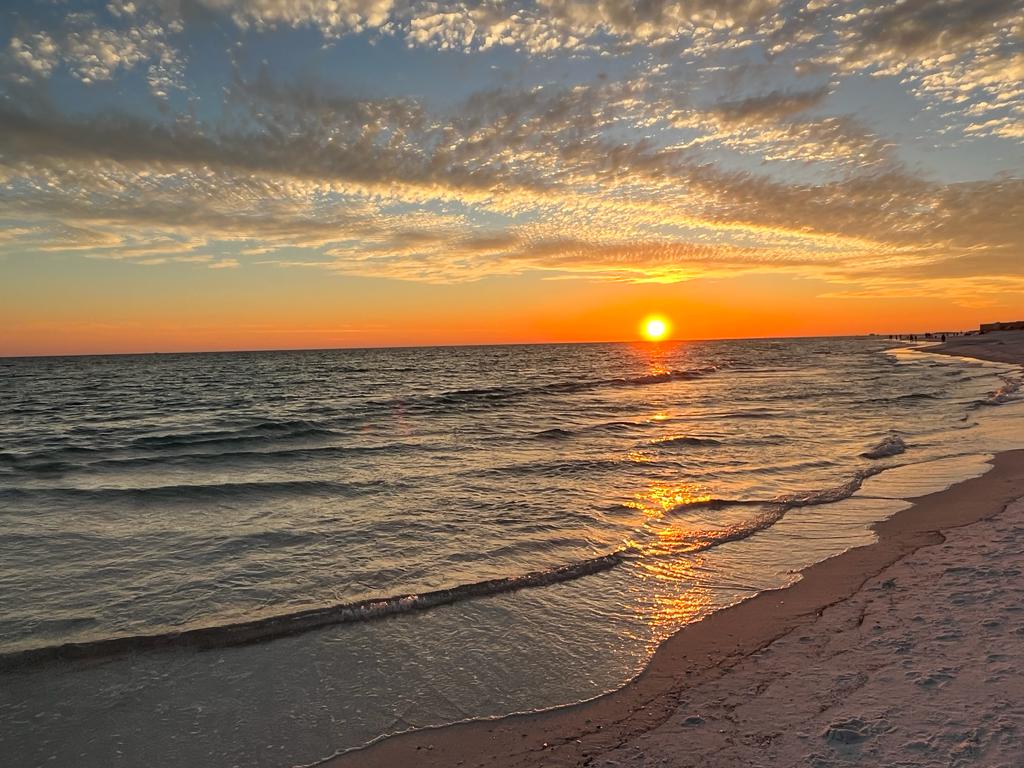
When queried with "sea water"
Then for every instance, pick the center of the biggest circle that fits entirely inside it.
(263, 559)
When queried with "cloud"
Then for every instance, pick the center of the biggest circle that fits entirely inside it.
(550, 25)
(366, 182)
(925, 29)
(963, 53)
(769, 107)
(775, 127)
(952, 51)
(333, 17)
(536, 26)
(540, 27)
(647, 177)
(38, 55)
(92, 52)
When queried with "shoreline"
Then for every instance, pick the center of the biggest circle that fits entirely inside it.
(701, 652)
(708, 651)
(995, 347)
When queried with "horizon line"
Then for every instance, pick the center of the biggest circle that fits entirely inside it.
(267, 350)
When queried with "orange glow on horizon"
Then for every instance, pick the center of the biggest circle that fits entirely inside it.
(264, 308)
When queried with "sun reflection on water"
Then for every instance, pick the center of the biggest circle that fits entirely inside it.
(662, 498)
(676, 593)
(668, 563)
(673, 531)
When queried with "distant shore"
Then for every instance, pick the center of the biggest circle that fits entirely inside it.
(998, 346)
(902, 649)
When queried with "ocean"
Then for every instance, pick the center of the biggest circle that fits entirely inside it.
(267, 558)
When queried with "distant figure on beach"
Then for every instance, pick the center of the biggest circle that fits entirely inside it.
(943, 337)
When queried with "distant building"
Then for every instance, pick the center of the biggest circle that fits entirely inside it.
(1015, 326)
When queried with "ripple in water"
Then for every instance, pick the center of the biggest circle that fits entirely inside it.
(386, 539)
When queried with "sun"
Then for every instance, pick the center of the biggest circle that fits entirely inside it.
(654, 328)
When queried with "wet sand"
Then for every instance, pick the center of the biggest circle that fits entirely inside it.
(903, 651)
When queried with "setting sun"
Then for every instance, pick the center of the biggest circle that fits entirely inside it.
(655, 328)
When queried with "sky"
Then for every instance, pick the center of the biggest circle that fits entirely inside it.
(260, 174)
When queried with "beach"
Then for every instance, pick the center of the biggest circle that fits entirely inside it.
(293, 558)
(540, 383)
(1000, 346)
(903, 651)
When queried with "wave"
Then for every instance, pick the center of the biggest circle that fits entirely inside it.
(554, 434)
(489, 395)
(274, 429)
(918, 396)
(44, 458)
(37, 465)
(686, 441)
(43, 463)
(718, 504)
(743, 530)
(749, 413)
(784, 502)
(62, 458)
(228, 457)
(616, 427)
(1007, 392)
(230, 441)
(828, 495)
(699, 540)
(187, 492)
(892, 445)
(282, 625)
(690, 542)
(575, 467)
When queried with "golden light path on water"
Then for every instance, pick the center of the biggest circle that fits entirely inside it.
(328, 478)
(679, 521)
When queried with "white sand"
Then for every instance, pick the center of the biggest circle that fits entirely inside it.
(922, 667)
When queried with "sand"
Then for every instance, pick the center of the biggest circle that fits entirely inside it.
(921, 667)
(1000, 346)
(907, 651)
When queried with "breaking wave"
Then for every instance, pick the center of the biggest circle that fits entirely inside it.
(686, 441)
(828, 495)
(282, 625)
(701, 539)
(892, 445)
(1007, 392)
